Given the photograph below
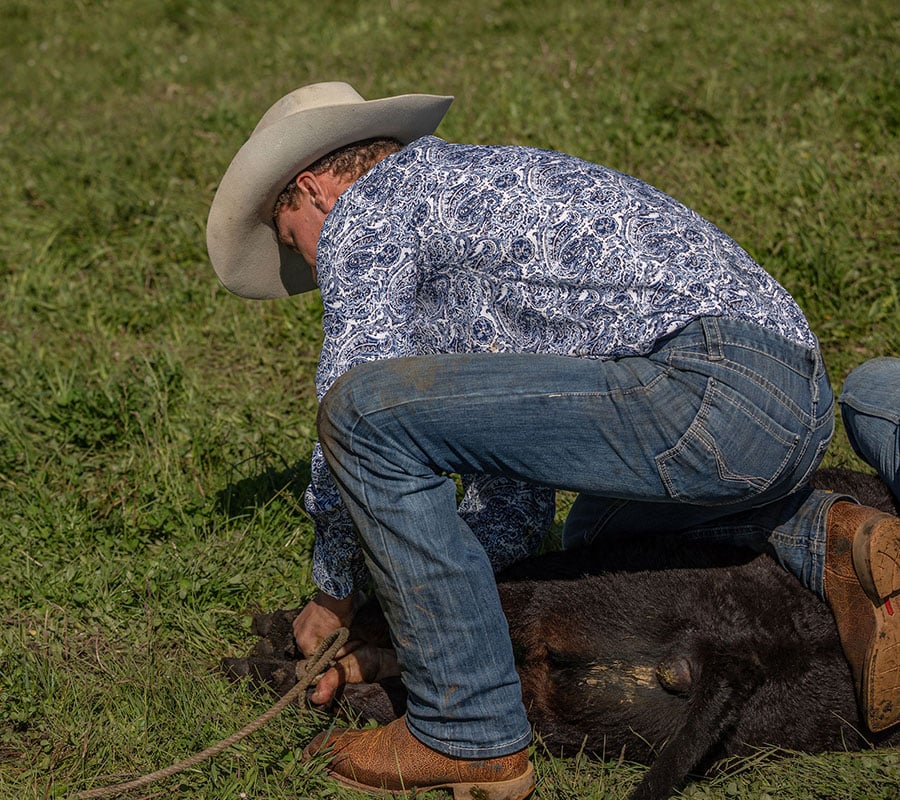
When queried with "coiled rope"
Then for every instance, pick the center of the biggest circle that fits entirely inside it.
(317, 663)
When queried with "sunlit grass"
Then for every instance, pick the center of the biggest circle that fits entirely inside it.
(155, 430)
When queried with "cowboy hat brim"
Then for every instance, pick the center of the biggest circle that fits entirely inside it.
(242, 243)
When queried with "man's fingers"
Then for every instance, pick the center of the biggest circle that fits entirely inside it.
(347, 670)
(326, 686)
(364, 664)
(351, 646)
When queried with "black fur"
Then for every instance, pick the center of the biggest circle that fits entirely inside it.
(672, 655)
(681, 666)
(866, 489)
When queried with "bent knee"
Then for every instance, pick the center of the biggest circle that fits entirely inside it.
(359, 392)
(878, 377)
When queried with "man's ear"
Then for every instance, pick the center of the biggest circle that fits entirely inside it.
(322, 189)
(309, 186)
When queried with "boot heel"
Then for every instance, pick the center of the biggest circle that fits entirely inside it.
(876, 559)
(515, 789)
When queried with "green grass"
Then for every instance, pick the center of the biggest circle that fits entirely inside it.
(155, 430)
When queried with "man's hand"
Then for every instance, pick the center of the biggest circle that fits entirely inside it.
(323, 615)
(357, 661)
(366, 663)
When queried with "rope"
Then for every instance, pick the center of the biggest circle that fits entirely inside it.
(316, 664)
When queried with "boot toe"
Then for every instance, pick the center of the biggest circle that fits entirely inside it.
(391, 760)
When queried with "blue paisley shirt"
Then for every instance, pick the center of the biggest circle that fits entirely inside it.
(448, 248)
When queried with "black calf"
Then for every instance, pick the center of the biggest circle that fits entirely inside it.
(675, 656)
(682, 665)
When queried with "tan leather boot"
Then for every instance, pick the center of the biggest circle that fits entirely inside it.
(862, 586)
(391, 760)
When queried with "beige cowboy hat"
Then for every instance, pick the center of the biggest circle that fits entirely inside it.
(299, 129)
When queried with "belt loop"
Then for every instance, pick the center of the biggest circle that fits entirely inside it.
(713, 337)
(819, 371)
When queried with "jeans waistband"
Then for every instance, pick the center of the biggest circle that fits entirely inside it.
(712, 334)
(718, 331)
(714, 337)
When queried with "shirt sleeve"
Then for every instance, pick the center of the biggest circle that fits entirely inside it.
(337, 567)
(368, 279)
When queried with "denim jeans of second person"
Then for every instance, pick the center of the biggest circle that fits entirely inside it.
(721, 418)
(870, 408)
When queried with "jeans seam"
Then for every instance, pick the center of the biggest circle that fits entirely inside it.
(821, 447)
(406, 610)
(413, 401)
(861, 407)
(458, 751)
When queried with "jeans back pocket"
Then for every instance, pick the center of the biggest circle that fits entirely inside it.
(731, 452)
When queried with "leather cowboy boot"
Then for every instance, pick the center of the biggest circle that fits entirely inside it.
(862, 586)
(390, 759)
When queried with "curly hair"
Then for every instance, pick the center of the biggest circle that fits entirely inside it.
(348, 162)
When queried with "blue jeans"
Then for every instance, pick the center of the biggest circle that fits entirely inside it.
(870, 408)
(715, 429)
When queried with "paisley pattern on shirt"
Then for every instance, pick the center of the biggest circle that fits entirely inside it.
(447, 248)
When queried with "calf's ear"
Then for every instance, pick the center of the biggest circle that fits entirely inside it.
(676, 674)
(716, 701)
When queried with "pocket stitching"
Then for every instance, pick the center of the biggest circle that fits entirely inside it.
(697, 433)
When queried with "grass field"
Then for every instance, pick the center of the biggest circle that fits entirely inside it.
(155, 430)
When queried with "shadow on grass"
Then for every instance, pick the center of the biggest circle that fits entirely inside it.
(268, 482)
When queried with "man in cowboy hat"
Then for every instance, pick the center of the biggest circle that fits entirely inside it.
(528, 321)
